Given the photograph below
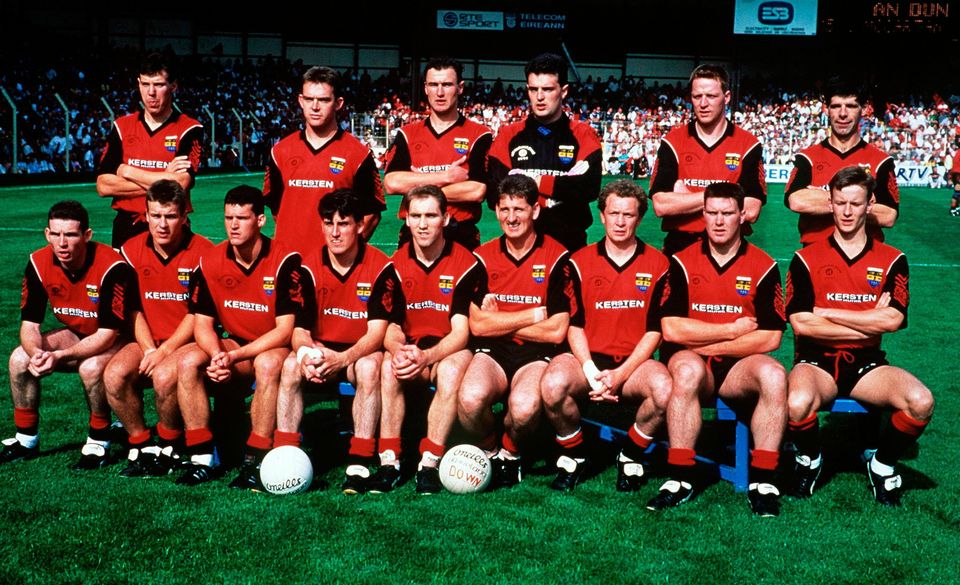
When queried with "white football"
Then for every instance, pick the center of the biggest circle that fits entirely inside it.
(465, 469)
(286, 470)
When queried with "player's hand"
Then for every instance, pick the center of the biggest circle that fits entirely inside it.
(489, 302)
(333, 362)
(744, 325)
(152, 359)
(42, 363)
(218, 374)
(408, 362)
(310, 362)
(179, 164)
(884, 301)
(680, 187)
(456, 173)
(609, 390)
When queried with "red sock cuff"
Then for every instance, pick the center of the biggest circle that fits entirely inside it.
(168, 434)
(362, 447)
(906, 424)
(25, 417)
(804, 425)
(284, 438)
(681, 457)
(259, 442)
(572, 441)
(507, 443)
(638, 439)
(390, 444)
(138, 439)
(99, 421)
(197, 436)
(428, 446)
(762, 459)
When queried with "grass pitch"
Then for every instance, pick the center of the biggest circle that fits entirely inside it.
(64, 527)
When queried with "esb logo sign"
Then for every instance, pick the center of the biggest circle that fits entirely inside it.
(775, 13)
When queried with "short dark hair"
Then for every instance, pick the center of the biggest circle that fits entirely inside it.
(245, 195)
(425, 192)
(519, 186)
(547, 63)
(708, 71)
(443, 62)
(166, 191)
(843, 87)
(854, 175)
(71, 210)
(724, 190)
(342, 201)
(321, 74)
(623, 188)
(155, 64)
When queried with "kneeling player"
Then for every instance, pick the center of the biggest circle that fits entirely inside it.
(251, 286)
(88, 286)
(164, 260)
(349, 290)
(843, 294)
(723, 314)
(614, 330)
(428, 342)
(519, 316)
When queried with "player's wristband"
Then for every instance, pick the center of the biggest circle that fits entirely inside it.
(539, 314)
(149, 351)
(307, 351)
(591, 371)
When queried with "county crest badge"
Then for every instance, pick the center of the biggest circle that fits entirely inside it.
(565, 152)
(643, 281)
(170, 143)
(744, 284)
(732, 160)
(446, 283)
(363, 291)
(94, 293)
(874, 276)
(461, 145)
(539, 273)
(337, 164)
(183, 277)
(269, 284)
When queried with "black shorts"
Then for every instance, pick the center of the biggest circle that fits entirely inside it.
(720, 366)
(513, 356)
(845, 366)
(126, 225)
(607, 362)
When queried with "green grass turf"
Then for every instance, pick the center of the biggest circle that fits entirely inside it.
(62, 527)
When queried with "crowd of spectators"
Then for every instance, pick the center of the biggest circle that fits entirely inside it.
(629, 114)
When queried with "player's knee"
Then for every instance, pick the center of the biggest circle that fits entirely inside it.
(115, 379)
(291, 370)
(268, 364)
(164, 380)
(687, 377)
(471, 399)
(773, 380)
(525, 411)
(190, 364)
(800, 404)
(661, 387)
(554, 388)
(920, 402)
(91, 371)
(19, 360)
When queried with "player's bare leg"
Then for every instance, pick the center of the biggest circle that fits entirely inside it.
(484, 383)
(25, 392)
(95, 452)
(122, 380)
(441, 416)
(290, 402)
(650, 385)
(562, 386)
(365, 375)
(808, 387)
(760, 382)
(195, 409)
(913, 405)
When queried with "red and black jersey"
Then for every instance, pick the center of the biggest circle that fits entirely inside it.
(815, 165)
(101, 295)
(541, 278)
(164, 284)
(736, 158)
(298, 176)
(616, 305)
(342, 304)
(821, 275)
(419, 148)
(132, 142)
(431, 295)
(567, 156)
(747, 286)
(247, 301)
